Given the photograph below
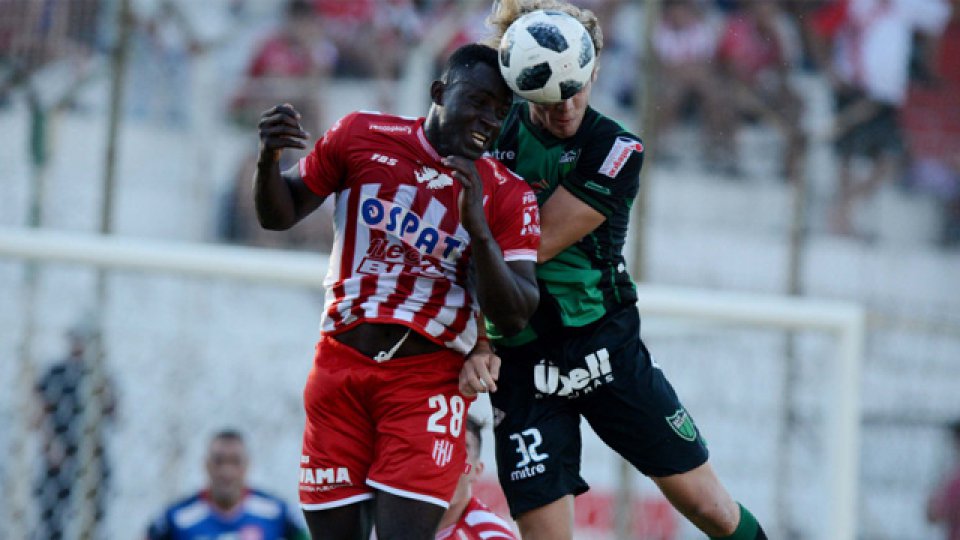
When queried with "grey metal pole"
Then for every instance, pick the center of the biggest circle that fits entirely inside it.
(94, 387)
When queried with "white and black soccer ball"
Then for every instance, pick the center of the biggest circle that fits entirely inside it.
(546, 56)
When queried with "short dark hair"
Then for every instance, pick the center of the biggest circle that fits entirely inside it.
(475, 426)
(467, 56)
(228, 434)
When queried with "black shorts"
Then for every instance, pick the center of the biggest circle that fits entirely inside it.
(872, 137)
(603, 373)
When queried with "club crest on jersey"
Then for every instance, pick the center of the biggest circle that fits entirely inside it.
(682, 424)
(531, 220)
(442, 452)
(623, 147)
(433, 178)
(569, 156)
(410, 228)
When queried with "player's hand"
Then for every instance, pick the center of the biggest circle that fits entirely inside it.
(280, 128)
(480, 371)
(471, 196)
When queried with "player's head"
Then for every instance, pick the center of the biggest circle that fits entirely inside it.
(474, 465)
(226, 464)
(563, 119)
(504, 12)
(470, 101)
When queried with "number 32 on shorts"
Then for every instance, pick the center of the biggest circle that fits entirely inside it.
(438, 423)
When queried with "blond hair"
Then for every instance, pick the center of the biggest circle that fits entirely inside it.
(507, 11)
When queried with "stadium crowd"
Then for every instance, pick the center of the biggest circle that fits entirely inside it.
(891, 65)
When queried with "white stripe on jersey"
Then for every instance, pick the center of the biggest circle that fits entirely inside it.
(423, 287)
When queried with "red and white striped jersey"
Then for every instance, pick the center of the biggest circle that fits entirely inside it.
(400, 254)
(477, 523)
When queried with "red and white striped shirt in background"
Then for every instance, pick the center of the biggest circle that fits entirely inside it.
(400, 254)
(477, 523)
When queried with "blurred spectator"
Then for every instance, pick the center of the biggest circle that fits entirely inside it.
(754, 57)
(237, 221)
(943, 506)
(684, 45)
(931, 121)
(372, 38)
(73, 408)
(227, 507)
(869, 43)
(289, 66)
(164, 43)
(34, 35)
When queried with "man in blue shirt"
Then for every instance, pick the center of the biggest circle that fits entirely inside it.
(227, 508)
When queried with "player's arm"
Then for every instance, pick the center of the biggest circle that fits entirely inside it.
(481, 368)
(281, 199)
(507, 291)
(564, 220)
(604, 179)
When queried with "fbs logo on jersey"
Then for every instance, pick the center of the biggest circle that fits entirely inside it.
(623, 147)
(682, 424)
(433, 178)
(548, 380)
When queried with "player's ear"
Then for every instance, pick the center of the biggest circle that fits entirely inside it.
(436, 92)
(479, 468)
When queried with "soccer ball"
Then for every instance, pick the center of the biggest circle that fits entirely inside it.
(546, 56)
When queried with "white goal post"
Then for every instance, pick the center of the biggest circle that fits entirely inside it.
(844, 320)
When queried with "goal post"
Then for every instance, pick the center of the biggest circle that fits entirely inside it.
(845, 321)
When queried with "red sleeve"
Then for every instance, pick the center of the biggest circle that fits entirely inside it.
(514, 217)
(324, 169)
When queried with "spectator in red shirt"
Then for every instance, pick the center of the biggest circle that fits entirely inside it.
(754, 58)
(684, 46)
(287, 67)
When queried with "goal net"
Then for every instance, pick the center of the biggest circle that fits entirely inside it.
(195, 338)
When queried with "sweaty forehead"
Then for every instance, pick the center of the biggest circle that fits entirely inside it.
(480, 78)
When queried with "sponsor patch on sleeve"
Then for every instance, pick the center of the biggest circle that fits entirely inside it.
(623, 147)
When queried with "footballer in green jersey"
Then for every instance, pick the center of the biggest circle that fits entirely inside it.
(581, 355)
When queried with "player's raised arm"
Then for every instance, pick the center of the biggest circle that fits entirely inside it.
(281, 199)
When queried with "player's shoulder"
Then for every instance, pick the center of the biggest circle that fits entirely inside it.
(501, 174)
(479, 516)
(184, 512)
(193, 500)
(605, 132)
(264, 504)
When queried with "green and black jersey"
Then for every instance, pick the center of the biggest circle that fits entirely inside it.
(600, 165)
